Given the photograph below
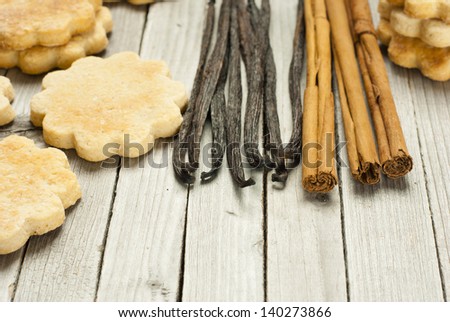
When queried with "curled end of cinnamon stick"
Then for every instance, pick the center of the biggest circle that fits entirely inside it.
(398, 166)
(368, 173)
(323, 182)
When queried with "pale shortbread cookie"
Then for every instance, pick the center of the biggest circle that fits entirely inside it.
(137, 2)
(42, 59)
(103, 107)
(433, 32)
(36, 185)
(28, 23)
(425, 9)
(7, 113)
(414, 53)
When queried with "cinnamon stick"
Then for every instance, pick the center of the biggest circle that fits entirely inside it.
(361, 149)
(319, 167)
(394, 156)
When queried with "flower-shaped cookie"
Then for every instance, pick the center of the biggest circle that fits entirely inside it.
(433, 32)
(36, 185)
(24, 24)
(102, 107)
(425, 9)
(136, 2)
(7, 113)
(40, 59)
(414, 53)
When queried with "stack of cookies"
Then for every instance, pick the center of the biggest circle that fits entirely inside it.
(136, 2)
(40, 35)
(417, 33)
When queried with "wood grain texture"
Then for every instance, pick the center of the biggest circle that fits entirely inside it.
(431, 101)
(145, 240)
(305, 256)
(389, 237)
(224, 238)
(64, 265)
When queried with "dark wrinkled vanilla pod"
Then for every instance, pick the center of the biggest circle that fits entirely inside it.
(272, 122)
(234, 107)
(218, 106)
(254, 58)
(293, 150)
(180, 145)
(210, 79)
(246, 37)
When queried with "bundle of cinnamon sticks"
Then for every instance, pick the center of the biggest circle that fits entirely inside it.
(356, 55)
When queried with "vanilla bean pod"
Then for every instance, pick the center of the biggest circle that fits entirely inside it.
(254, 59)
(293, 150)
(218, 106)
(234, 107)
(272, 122)
(210, 78)
(246, 37)
(180, 145)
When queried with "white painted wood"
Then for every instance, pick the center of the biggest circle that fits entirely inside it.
(224, 239)
(145, 239)
(9, 271)
(431, 101)
(64, 265)
(305, 257)
(390, 246)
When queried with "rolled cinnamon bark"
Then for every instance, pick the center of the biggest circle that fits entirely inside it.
(319, 166)
(361, 149)
(394, 156)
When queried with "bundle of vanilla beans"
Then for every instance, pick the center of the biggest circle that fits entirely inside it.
(243, 32)
(339, 29)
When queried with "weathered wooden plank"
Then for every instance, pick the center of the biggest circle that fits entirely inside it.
(305, 256)
(64, 265)
(390, 246)
(224, 238)
(9, 272)
(431, 101)
(145, 241)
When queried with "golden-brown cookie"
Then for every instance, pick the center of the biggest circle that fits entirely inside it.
(136, 2)
(42, 59)
(36, 185)
(7, 113)
(425, 9)
(433, 32)
(25, 24)
(102, 107)
(414, 53)
(385, 8)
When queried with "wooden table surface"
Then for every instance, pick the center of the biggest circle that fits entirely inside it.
(138, 235)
